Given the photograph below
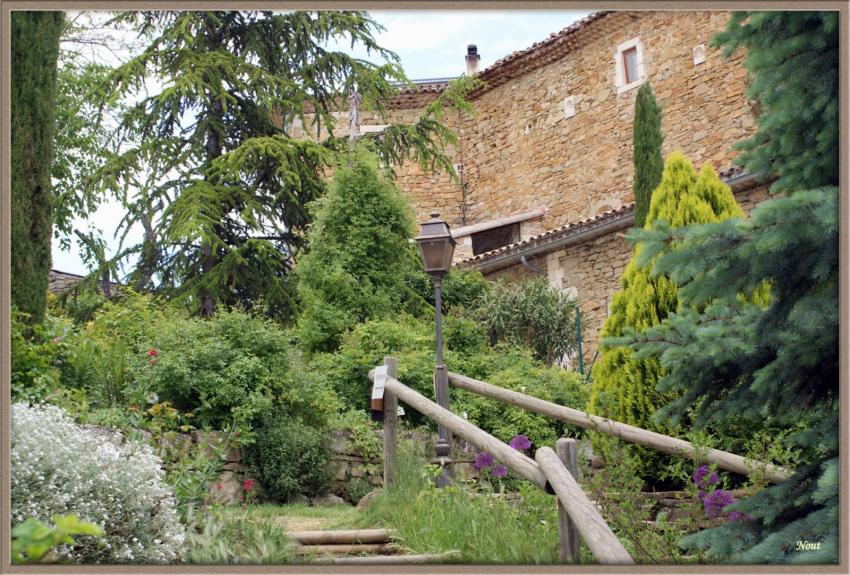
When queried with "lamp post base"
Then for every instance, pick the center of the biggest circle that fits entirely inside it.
(446, 473)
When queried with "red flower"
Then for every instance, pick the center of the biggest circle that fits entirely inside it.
(218, 486)
(152, 353)
(248, 484)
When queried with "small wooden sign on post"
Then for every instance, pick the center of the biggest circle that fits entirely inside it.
(377, 402)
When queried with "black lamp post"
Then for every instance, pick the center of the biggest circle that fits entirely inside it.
(436, 247)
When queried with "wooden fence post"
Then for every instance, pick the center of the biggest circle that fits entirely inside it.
(390, 419)
(566, 449)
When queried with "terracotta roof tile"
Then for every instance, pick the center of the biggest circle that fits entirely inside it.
(555, 233)
(578, 226)
(520, 61)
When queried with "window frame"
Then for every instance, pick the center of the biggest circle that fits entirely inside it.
(622, 81)
(627, 79)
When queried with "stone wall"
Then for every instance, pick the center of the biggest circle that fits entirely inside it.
(592, 270)
(522, 149)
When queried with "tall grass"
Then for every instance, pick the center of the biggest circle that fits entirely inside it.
(220, 537)
(483, 525)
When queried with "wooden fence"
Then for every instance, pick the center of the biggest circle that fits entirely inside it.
(630, 433)
(554, 471)
(548, 474)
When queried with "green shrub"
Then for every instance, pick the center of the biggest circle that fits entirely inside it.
(104, 347)
(464, 289)
(525, 376)
(227, 370)
(36, 359)
(292, 457)
(359, 255)
(58, 467)
(411, 341)
(533, 314)
(624, 387)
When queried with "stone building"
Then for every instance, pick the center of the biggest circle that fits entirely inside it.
(545, 164)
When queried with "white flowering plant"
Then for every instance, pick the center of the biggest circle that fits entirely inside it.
(58, 467)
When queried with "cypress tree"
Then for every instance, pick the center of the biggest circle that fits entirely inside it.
(35, 50)
(623, 385)
(646, 151)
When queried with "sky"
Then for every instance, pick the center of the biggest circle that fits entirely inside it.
(430, 44)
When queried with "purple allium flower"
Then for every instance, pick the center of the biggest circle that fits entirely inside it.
(520, 442)
(483, 459)
(700, 479)
(716, 501)
(500, 471)
(701, 495)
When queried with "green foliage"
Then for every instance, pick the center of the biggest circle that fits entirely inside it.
(79, 304)
(533, 314)
(646, 151)
(82, 145)
(35, 49)
(35, 542)
(725, 356)
(359, 255)
(36, 351)
(483, 526)
(362, 429)
(524, 375)
(618, 490)
(792, 58)
(222, 185)
(464, 289)
(624, 387)
(292, 458)
(192, 469)
(411, 341)
(227, 370)
(104, 348)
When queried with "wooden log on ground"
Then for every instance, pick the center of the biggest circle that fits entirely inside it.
(393, 559)
(599, 538)
(630, 433)
(567, 450)
(382, 548)
(501, 451)
(390, 420)
(341, 536)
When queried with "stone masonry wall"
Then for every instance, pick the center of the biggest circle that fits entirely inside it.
(594, 268)
(521, 150)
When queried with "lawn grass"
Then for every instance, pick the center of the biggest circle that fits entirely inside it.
(481, 525)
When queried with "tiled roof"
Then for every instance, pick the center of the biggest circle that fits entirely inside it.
(538, 54)
(521, 61)
(574, 228)
(550, 236)
(59, 282)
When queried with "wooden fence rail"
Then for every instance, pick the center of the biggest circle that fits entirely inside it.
(521, 464)
(630, 433)
(548, 473)
(599, 538)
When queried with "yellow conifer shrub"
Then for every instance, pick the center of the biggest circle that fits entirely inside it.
(623, 387)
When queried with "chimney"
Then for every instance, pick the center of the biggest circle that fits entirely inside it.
(472, 60)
